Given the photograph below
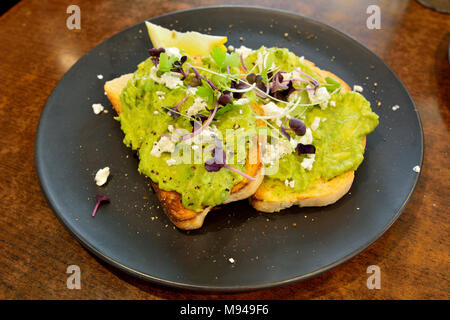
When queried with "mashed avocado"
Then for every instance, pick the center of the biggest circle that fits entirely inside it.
(144, 118)
(337, 125)
(337, 130)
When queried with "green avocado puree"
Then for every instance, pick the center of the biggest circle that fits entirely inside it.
(337, 139)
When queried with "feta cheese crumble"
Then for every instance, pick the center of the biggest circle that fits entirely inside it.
(315, 124)
(231, 260)
(101, 176)
(395, 108)
(416, 169)
(172, 51)
(97, 108)
(170, 79)
(357, 88)
(289, 183)
(163, 145)
(275, 151)
(273, 111)
(308, 161)
(100, 76)
(171, 162)
(241, 101)
(192, 90)
(198, 105)
(244, 51)
(319, 96)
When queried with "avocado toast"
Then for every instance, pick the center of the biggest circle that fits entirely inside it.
(299, 125)
(165, 113)
(320, 140)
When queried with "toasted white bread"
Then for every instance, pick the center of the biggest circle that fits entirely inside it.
(321, 193)
(180, 216)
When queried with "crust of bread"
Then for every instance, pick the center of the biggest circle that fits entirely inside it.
(180, 216)
(321, 193)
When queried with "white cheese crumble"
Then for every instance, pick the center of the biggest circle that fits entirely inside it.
(230, 48)
(289, 183)
(333, 103)
(319, 96)
(163, 145)
(100, 76)
(101, 176)
(231, 260)
(308, 161)
(293, 97)
(416, 169)
(97, 108)
(395, 108)
(244, 51)
(171, 162)
(275, 151)
(192, 90)
(198, 105)
(274, 111)
(241, 101)
(315, 124)
(357, 88)
(206, 136)
(170, 79)
(155, 112)
(172, 51)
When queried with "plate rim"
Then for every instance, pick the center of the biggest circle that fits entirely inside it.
(214, 288)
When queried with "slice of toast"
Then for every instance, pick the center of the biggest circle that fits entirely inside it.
(180, 216)
(321, 193)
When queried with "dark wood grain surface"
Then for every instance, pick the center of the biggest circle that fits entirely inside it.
(36, 49)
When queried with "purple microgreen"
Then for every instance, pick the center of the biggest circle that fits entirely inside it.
(277, 83)
(251, 78)
(239, 172)
(305, 149)
(100, 199)
(242, 63)
(197, 75)
(218, 161)
(200, 129)
(297, 126)
(313, 81)
(178, 66)
(225, 98)
(238, 85)
(284, 132)
(210, 83)
(155, 52)
(175, 108)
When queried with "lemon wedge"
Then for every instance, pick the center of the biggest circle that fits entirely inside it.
(194, 43)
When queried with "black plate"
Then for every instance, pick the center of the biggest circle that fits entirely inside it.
(133, 233)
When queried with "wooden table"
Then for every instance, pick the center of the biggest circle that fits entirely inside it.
(37, 49)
